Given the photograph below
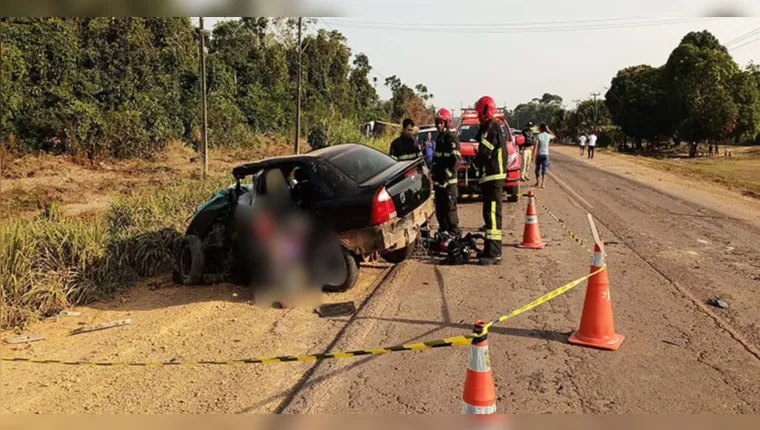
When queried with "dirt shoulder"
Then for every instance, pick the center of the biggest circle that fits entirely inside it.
(710, 193)
(171, 322)
(80, 188)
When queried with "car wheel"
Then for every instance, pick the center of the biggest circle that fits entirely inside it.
(399, 255)
(513, 193)
(352, 274)
(190, 261)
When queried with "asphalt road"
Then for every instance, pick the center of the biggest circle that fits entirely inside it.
(666, 257)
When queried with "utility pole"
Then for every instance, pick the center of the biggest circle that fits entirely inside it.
(298, 88)
(204, 112)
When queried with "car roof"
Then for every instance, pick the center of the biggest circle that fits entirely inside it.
(325, 153)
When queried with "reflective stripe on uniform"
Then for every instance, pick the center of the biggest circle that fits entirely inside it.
(446, 184)
(492, 177)
(487, 144)
(407, 157)
(493, 235)
(531, 219)
(448, 173)
(493, 219)
(501, 161)
(456, 152)
(444, 154)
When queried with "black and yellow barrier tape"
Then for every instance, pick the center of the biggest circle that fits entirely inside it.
(570, 233)
(440, 343)
(420, 346)
(541, 300)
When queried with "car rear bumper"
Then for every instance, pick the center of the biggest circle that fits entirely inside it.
(392, 235)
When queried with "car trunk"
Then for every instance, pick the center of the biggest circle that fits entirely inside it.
(407, 183)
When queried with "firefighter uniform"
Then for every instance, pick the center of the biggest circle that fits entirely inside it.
(446, 159)
(404, 149)
(490, 158)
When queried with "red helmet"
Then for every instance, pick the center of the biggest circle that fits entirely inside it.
(486, 108)
(445, 116)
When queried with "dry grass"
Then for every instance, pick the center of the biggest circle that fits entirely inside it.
(53, 261)
(50, 260)
(740, 172)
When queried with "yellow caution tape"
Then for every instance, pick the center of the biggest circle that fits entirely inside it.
(541, 300)
(440, 343)
(566, 228)
(420, 346)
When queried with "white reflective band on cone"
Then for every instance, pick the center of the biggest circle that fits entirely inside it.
(478, 410)
(531, 219)
(597, 260)
(479, 361)
(532, 201)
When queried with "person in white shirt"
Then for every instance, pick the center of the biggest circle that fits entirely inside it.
(541, 153)
(591, 145)
(582, 142)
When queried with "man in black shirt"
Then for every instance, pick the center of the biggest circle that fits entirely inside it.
(405, 147)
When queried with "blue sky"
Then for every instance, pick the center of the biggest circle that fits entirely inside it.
(568, 48)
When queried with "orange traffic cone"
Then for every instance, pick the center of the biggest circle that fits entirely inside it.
(531, 234)
(597, 329)
(479, 392)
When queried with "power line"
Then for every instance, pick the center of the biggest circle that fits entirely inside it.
(598, 21)
(542, 29)
(373, 69)
(743, 37)
(744, 44)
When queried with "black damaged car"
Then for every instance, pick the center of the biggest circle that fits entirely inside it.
(375, 205)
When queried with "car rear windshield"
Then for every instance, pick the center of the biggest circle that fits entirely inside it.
(467, 132)
(361, 163)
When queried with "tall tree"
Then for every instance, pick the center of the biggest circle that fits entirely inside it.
(698, 76)
(637, 103)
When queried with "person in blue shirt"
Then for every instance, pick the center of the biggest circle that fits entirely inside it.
(428, 149)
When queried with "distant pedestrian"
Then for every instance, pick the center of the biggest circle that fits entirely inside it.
(582, 143)
(428, 149)
(541, 153)
(527, 150)
(591, 145)
(710, 150)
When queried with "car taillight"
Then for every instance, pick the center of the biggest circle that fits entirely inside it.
(410, 173)
(383, 209)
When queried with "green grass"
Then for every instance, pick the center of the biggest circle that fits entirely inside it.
(54, 261)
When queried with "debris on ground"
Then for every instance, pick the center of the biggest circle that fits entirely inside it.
(717, 302)
(336, 309)
(102, 326)
(69, 314)
(23, 339)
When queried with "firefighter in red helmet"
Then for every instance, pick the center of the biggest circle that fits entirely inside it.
(492, 152)
(446, 159)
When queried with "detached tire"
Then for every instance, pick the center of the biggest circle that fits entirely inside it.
(352, 274)
(399, 255)
(190, 261)
(513, 194)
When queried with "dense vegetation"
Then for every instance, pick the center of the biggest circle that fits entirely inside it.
(700, 94)
(123, 87)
